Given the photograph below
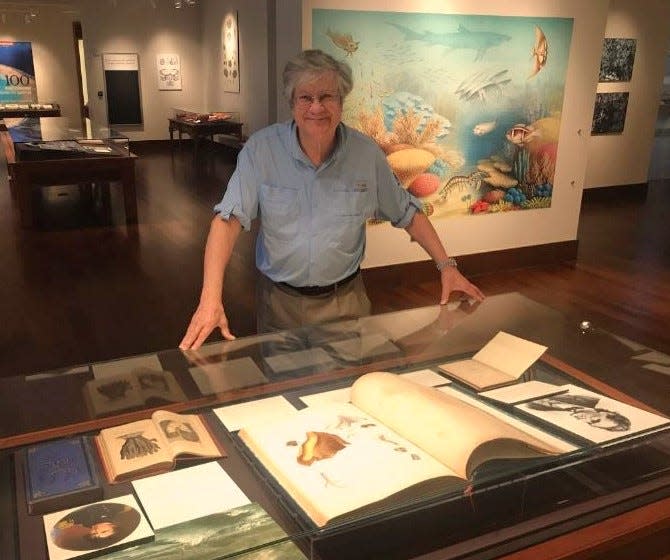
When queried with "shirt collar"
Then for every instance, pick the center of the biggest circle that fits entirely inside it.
(296, 150)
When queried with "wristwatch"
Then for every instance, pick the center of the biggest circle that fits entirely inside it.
(448, 262)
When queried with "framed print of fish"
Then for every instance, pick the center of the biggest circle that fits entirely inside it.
(467, 108)
(616, 64)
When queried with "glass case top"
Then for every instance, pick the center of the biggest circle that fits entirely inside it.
(47, 129)
(570, 423)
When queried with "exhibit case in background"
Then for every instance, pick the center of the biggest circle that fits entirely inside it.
(325, 457)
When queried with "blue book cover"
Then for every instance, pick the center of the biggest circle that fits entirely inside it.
(60, 474)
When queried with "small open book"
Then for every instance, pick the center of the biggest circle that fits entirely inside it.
(153, 445)
(502, 361)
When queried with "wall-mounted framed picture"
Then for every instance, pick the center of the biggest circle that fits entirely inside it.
(168, 67)
(230, 53)
(609, 114)
(616, 64)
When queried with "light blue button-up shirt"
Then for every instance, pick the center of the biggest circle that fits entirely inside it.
(312, 220)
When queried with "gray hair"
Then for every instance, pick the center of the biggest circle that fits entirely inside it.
(311, 64)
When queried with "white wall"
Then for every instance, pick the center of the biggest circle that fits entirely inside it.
(622, 159)
(132, 26)
(52, 44)
(252, 100)
(491, 232)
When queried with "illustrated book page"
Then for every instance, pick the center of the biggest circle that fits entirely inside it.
(96, 528)
(394, 435)
(592, 416)
(502, 360)
(152, 445)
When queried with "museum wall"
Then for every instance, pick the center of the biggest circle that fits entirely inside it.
(50, 35)
(469, 234)
(129, 26)
(623, 159)
(252, 100)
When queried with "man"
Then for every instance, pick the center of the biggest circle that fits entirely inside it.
(314, 182)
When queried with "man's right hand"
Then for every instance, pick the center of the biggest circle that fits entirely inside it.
(205, 319)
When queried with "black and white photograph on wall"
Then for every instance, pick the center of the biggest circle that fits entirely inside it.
(609, 114)
(616, 64)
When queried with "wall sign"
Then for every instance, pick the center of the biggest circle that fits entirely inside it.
(17, 73)
(122, 82)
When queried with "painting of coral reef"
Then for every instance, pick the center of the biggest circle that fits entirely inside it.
(609, 114)
(616, 64)
(466, 108)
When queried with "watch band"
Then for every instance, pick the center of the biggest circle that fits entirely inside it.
(450, 262)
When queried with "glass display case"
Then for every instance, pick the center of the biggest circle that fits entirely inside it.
(63, 137)
(29, 110)
(199, 125)
(46, 151)
(574, 440)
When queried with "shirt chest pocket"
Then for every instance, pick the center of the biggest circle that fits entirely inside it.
(280, 210)
(350, 203)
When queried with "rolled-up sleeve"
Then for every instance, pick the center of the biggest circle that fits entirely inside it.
(241, 196)
(395, 204)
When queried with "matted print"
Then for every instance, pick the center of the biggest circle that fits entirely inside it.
(230, 53)
(592, 416)
(609, 113)
(616, 64)
(467, 108)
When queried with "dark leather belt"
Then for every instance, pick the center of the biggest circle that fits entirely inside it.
(320, 290)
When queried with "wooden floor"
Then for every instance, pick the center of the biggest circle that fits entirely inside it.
(85, 287)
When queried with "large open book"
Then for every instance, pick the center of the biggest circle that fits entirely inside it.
(153, 445)
(396, 436)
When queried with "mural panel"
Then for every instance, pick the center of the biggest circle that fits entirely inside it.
(467, 108)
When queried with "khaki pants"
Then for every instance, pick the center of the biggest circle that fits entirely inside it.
(281, 308)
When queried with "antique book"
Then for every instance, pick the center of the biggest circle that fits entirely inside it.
(500, 362)
(153, 445)
(96, 529)
(60, 474)
(397, 440)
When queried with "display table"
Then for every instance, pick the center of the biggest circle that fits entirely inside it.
(593, 498)
(12, 110)
(49, 151)
(200, 128)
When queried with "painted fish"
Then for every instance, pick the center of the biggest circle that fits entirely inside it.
(473, 182)
(484, 128)
(481, 84)
(479, 41)
(343, 41)
(539, 52)
(521, 134)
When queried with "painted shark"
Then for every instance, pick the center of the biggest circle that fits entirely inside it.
(479, 41)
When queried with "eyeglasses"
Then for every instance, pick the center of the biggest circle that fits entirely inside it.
(324, 99)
